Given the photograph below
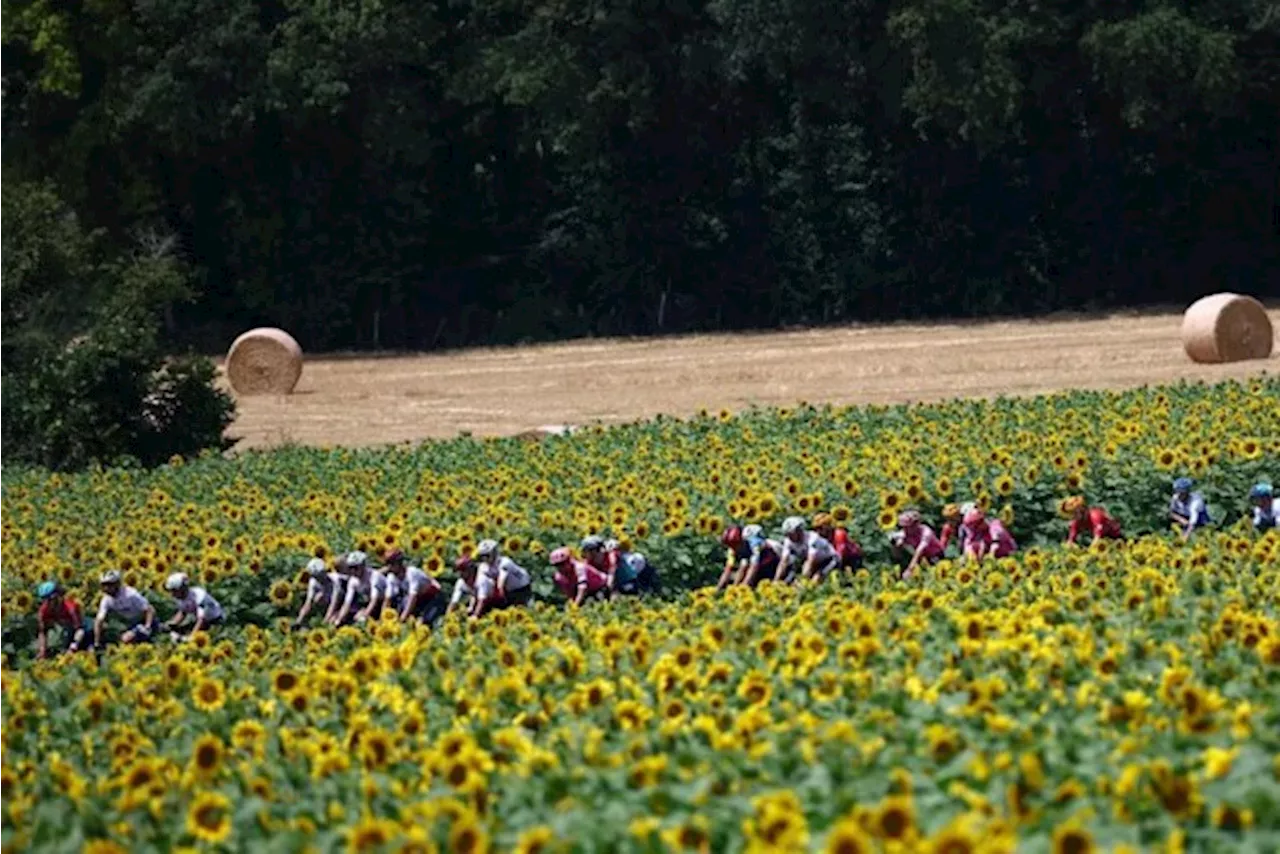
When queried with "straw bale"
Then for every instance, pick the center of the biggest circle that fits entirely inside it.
(264, 361)
(1227, 327)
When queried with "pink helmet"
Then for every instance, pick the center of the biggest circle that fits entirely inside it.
(559, 556)
(908, 518)
(974, 517)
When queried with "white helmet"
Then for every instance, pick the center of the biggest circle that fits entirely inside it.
(752, 531)
(177, 581)
(316, 567)
(357, 559)
(967, 508)
(792, 524)
(612, 545)
(487, 548)
(591, 541)
(111, 576)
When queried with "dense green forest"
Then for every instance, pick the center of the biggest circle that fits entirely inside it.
(429, 173)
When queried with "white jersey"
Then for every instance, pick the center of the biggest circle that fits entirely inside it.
(511, 575)
(323, 590)
(128, 604)
(360, 587)
(814, 545)
(198, 603)
(418, 583)
(461, 590)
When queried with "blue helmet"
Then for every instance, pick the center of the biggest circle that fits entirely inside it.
(1260, 490)
(47, 589)
(1182, 484)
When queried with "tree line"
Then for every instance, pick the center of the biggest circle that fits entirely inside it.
(431, 173)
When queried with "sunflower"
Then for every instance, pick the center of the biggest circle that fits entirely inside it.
(535, 840)
(1072, 839)
(103, 846)
(209, 694)
(209, 817)
(281, 594)
(371, 834)
(468, 837)
(848, 837)
(206, 756)
(691, 835)
(895, 819)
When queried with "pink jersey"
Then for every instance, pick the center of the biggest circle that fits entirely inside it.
(581, 573)
(1004, 541)
(922, 535)
(993, 538)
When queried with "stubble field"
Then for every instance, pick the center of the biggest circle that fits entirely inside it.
(360, 401)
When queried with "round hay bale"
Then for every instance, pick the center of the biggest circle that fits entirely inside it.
(264, 361)
(1226, 328)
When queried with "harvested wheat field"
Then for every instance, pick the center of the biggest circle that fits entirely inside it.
(371, 400)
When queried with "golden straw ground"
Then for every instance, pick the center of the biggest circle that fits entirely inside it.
(376, 400)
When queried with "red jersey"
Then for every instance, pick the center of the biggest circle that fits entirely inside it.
(846, 547)
(948, 531)
(67, 613)
(1099, 524)
(580, 573)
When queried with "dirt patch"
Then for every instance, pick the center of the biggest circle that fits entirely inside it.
(385, 399)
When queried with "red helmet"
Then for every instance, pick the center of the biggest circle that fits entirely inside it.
(463, 564)
(393, 556)
(559, 556)
(731, 537)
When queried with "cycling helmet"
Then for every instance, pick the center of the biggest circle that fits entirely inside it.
(1182, 484)
(967, 508)
(897, 538)
(792, 524)
(591, 543)
(752, 532)
(47, 589)
(974, 517)
(1073, 505)
(952, 511)
(316, 567)
(177, 581)
(487, 548)
(111, 576)
(560, 556)
(824, 520)
(908, 518)
(393, 556)
(732, 536)
(357, 559)
(612, 545)
(1260, 490)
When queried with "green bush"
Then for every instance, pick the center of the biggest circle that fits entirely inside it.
(85, 375)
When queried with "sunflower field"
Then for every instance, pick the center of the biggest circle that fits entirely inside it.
(1121, 697)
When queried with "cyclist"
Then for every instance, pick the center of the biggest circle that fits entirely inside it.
(805, 554)
(737, 557)
(58, 609)
(846, 547)
(501, 582)
(323, 588)
(422, 596)
(765, 553)
(918, 540)
(1264, 510)
(126, 603)
(1094, 520)
(193, 602)
(577, 579)
(1187, 509)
